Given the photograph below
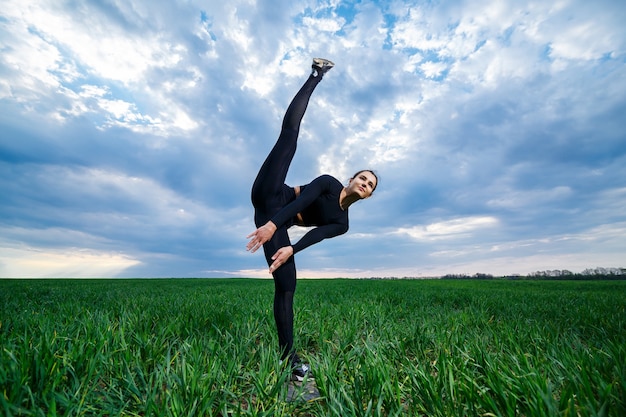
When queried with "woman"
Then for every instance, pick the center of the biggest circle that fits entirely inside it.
(322, 203)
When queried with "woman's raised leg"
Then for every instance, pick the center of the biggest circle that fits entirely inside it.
(268, 185)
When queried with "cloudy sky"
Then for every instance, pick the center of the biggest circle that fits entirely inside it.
(131, 132)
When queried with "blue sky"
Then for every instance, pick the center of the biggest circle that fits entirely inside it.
(131, 132)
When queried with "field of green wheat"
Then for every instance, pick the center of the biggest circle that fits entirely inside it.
(207, 347)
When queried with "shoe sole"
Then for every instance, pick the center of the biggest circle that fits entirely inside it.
(296, 378)
(322, 63)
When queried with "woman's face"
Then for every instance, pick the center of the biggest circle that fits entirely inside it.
(363, 184)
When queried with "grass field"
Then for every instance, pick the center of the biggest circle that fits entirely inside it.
(185, 347)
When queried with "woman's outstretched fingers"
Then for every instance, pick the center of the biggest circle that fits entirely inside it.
(256, 241)
(260, 236)
(252, 245)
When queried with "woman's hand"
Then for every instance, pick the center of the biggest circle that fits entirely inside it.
(280, 257)
(260, 236)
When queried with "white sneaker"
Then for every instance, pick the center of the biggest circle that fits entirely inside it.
(300, 371)
(321, 66)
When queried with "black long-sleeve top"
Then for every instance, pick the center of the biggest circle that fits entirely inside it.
(318, 204)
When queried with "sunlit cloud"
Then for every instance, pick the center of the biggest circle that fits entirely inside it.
(449, 229)
(62, 263)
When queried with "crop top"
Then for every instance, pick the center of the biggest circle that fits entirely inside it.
(318, 203)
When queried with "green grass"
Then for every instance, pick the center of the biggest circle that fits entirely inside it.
(186, 347)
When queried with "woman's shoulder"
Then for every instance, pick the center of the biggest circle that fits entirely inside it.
(323, 183)
(329, 179)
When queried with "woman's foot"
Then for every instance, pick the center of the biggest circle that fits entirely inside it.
(299, 370)
(321, 66)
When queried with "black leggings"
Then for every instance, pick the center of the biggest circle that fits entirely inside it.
(269, 195)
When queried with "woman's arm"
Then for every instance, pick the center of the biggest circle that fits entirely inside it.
(264, 233)
(318, 234)
(307, 196)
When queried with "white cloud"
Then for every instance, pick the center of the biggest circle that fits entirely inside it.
(323, 24)
(52, 48)
(518, 199)
(44, 262)
(433, 69)
(148, 198)
(449, 229)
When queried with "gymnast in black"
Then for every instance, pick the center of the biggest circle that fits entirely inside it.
(323, 203)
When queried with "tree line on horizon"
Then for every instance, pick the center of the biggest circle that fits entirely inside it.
(598, 273)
